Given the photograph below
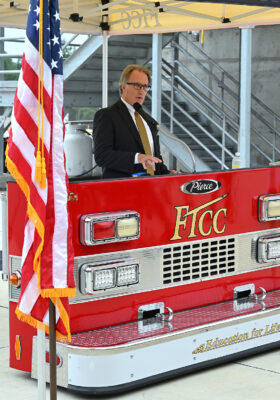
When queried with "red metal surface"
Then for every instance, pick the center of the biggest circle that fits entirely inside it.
(122, 309)
(16, 215)
(234, 210)
(155, 200)
(26, 332)
(126, 333)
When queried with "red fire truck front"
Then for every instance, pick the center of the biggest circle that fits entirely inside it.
(173, 273)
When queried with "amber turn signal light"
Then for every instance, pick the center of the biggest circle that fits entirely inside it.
(15, 279)
(18, 347)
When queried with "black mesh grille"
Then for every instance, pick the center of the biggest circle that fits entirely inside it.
(198, 260)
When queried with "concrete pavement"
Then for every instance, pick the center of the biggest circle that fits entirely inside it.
(254, 378)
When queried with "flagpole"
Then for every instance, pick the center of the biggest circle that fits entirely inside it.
(41, 364)
(53, 387)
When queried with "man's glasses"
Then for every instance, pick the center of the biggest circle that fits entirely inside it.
(139, 86)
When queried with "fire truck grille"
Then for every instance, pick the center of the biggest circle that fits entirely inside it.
(198, 260)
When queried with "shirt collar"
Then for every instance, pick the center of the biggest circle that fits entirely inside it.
(129, 106)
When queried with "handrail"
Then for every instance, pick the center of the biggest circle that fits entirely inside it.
(229, 76)
(197, 140)
(201, 111)
(196, 92)
(229, 121)
(209, 59)
(181, 142)
(209, 73)
(208, 134)
(225, 116)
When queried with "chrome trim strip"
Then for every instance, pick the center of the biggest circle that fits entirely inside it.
(152, 278)
(263, 207)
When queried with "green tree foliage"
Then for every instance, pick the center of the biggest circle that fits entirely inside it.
(81, 114)
(10, 64)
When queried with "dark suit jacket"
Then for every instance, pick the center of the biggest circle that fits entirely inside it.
(116, 141)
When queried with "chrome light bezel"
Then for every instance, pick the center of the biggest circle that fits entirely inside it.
(263, 207)
(262, 248)
(136, 266)
(89, 270)
(87, 222)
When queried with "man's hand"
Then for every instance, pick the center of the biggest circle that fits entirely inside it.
(148, 161)
(174, 172)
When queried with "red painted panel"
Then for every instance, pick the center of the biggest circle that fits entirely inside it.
(26, 333)
(167, 216)
(16, 218)
(121, 309)
(155, 200)
(235, 207)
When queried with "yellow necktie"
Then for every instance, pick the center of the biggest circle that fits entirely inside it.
(144, 138)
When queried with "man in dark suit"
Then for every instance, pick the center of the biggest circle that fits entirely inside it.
(119, 145)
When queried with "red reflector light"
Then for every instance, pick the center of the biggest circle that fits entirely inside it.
(104, 230)
(58, 359)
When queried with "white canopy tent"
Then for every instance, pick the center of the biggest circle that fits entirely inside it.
(147, 16)
(120, 17)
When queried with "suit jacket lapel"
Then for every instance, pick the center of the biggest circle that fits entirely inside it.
(154, 132)
(127, 119)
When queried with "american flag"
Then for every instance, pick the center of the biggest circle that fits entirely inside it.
(47, 255)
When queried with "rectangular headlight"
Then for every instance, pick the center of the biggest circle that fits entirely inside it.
(127, 227)
(108, 274)
(269, 207)
(127, 275)
(268, 249)
(104, 279)
(109, 227)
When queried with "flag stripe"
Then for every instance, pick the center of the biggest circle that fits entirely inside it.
(60, 201)
(40, 201)
(25, 110)
(29, 76)
(31, 57)
(47, 255)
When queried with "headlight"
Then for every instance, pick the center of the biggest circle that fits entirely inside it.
(109, 227)
(104, 279)
(127, 275)
(108, 274)
(268, 248)
(269, 207)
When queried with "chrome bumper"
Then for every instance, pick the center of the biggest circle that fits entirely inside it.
(126, 356)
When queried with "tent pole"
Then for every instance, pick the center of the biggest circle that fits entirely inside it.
(245, 96)
(156, 76)
(105, 70)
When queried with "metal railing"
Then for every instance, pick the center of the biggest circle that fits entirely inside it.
(186, 80)
(68, 42)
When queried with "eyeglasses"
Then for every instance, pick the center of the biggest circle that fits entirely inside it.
(139, 86)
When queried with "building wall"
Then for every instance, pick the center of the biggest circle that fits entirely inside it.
(223, 46)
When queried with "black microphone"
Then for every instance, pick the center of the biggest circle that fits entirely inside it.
(137, 107)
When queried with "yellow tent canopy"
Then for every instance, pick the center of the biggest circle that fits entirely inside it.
(146, 16)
